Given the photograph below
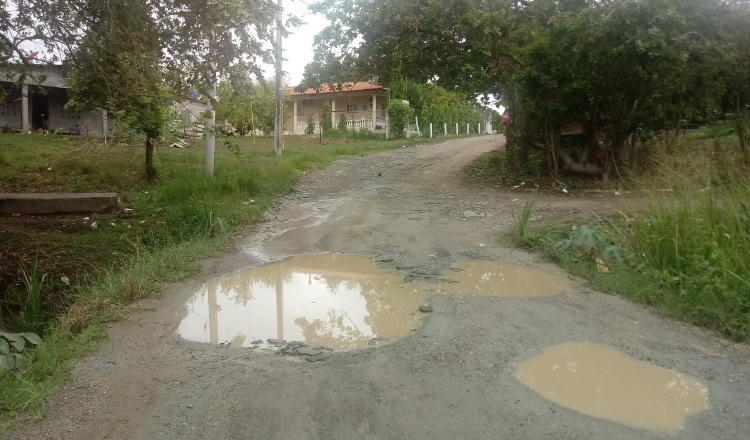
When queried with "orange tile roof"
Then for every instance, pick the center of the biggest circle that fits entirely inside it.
(345, 87)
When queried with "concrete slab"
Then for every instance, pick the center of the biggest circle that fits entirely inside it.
(68, 203)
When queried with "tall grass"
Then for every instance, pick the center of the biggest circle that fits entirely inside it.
(33, 318)
(695, 240)
(686, 252)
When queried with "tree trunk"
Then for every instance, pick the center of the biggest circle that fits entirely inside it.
(151, 173)
(631, 159)
(587, 169)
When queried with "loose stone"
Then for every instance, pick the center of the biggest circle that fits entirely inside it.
(318, 357)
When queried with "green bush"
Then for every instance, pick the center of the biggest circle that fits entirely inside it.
(401, 114)
(310, 128)
(342, 123)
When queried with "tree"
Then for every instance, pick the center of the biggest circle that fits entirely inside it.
(326, 118)
(116, 68)
(185, 44)
(621, 68)
(248, 105)
(342, 123)
(310, 128)
(401, 114)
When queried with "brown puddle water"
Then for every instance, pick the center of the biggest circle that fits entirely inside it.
(337, 301)
(602, 382)
(490, 278)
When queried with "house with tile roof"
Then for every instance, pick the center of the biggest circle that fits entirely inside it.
(363, 104)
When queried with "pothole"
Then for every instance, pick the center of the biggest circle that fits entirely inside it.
(337, 301)
(342, 302)
(491, 278)
(602, 382)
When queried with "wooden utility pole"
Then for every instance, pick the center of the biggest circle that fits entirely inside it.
(278, 129)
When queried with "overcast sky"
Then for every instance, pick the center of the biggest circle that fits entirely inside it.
(298, 47)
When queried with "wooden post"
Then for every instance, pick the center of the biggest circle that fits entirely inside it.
(294, 118)
(24, 108)
(252, 120)
(105, 126)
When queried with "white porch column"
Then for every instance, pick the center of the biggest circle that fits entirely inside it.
(333, 111)
(294, 118)
(24, 108)
(105, 125)
(374, 110)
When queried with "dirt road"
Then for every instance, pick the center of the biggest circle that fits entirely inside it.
(454, 378)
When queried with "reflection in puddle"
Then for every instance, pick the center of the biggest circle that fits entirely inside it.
(337, 301)
(602, 382)
(490, 278)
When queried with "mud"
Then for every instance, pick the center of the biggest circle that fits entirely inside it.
(602, 382)
(453, 378)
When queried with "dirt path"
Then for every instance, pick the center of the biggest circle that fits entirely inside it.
(454, 378)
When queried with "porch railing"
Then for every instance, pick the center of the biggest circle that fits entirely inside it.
(351, 124)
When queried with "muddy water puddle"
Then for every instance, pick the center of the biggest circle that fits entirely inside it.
(490, 278)
(602, 382)
(339, 301)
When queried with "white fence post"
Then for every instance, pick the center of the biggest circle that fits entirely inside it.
(445, 128)
(479, 128)
(416, 120)
(467, 128)
(430, 130)
(456, 127)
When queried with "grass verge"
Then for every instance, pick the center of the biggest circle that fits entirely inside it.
(82, 265)
(687, 253)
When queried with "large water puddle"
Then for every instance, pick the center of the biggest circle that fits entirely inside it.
(490, 278)
(338, 301)
(602, 382)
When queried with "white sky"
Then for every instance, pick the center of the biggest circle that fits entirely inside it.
(298, 47)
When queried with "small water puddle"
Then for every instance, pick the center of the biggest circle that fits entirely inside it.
(490, 278)
(602, 382)
(339, 301)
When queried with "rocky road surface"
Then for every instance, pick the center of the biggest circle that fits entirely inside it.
(411, 209)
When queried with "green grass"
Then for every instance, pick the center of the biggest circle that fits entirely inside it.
(184, 218)
(687, 253)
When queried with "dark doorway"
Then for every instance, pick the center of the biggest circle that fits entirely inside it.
(40, 112)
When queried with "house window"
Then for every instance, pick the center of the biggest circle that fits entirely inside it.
(70, 113)
(8, 109)
(352, 108)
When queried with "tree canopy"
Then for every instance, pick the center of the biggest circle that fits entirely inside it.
(619, 68)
